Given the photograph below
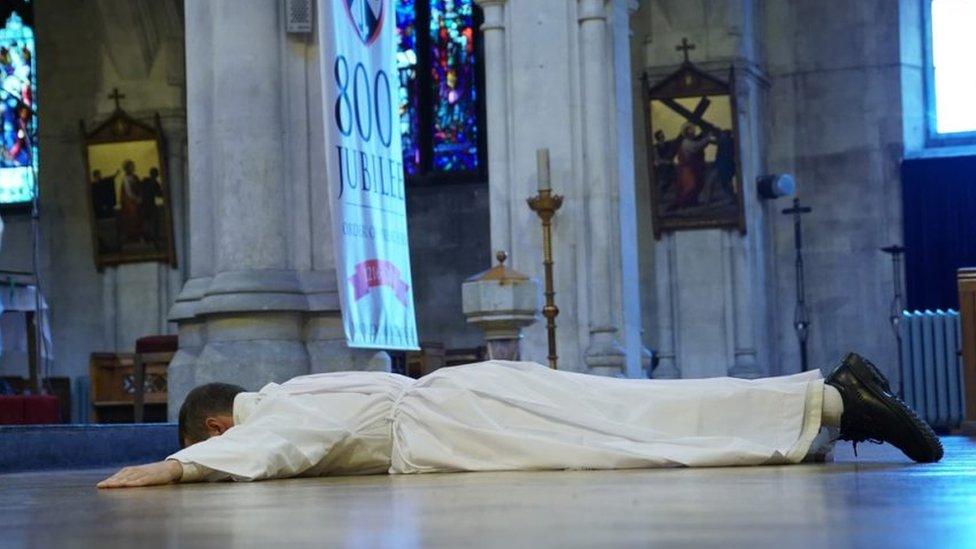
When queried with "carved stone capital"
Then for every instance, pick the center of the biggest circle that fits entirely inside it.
(590, 10)
(494, 11)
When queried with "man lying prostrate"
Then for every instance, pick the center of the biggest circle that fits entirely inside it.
(523, 416)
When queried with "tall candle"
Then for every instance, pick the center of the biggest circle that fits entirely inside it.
(542, 159)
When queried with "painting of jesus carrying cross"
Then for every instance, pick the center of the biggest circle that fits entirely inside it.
(692, 151)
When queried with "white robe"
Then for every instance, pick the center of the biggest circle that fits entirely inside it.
(500, 415)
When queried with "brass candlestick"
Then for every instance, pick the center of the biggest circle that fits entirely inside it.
(545, 205)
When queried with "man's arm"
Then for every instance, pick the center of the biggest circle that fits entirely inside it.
(152, 474)
(288, 438)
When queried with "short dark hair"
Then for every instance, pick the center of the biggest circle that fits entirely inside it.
(205, 401)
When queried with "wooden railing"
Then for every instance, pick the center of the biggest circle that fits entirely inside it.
(967, 311)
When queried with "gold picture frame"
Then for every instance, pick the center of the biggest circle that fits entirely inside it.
(693, 152)
(127, 190)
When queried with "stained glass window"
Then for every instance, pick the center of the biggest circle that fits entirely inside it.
(407, 67)
(440, 109)
(18, 104)
(455, 86)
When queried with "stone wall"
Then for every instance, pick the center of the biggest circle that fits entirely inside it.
(835, 121)
(706, 294)
(81, 56)
(838, 108)
(449, 242)
(557, 77)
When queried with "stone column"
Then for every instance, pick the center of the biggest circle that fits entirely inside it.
(199, 220)
(251, 310)
(666, 318)
(747, 266)
(604, 353)
(584, 67)
(496, 97)
(627, 276)
(187, 214)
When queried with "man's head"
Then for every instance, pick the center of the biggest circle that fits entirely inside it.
(207, 411)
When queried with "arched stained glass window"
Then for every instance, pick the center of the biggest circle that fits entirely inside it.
(18, 104)
(441, 103)
(408, 95)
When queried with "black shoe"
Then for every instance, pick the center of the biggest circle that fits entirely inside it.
(873, 413)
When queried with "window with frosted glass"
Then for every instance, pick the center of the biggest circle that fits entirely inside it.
(952, 74)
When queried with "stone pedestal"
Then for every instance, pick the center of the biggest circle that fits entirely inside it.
(501, 301)
(325, 341)
(181, 373)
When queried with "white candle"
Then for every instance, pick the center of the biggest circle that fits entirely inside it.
(542, 159)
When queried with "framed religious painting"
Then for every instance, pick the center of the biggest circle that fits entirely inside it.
(127, 190)
(693, 152)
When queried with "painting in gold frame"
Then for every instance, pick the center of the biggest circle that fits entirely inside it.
(128, 192)
(693, 152)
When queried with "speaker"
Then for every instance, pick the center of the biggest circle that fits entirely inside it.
(298, 16)
(775, 185)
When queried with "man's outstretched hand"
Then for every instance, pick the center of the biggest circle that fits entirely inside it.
(152, 474)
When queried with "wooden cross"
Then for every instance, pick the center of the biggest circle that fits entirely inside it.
(801, 321)
(894, 249)
(685, 47)
(797, 209)
(116, 96)
(693, 117)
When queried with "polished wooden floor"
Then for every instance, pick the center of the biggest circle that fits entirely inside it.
(876, 500)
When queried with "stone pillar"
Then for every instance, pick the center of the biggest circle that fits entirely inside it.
(585, 73)
(181, 373)
(627, 276)
(199, 255)
(250, 312)
(666, 315)
(260, 303)
(604, 353)
(496, 98)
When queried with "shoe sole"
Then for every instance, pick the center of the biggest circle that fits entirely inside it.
(866, 374)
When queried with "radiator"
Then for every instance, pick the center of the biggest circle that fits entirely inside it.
(931, 366)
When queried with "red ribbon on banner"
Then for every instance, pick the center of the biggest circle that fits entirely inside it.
(373, 273)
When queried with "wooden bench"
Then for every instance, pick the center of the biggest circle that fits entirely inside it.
(113, 389)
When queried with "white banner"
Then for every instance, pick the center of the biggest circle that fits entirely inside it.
(364, 164)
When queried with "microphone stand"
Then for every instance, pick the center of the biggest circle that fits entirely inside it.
(801, 321)
(897, 303)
